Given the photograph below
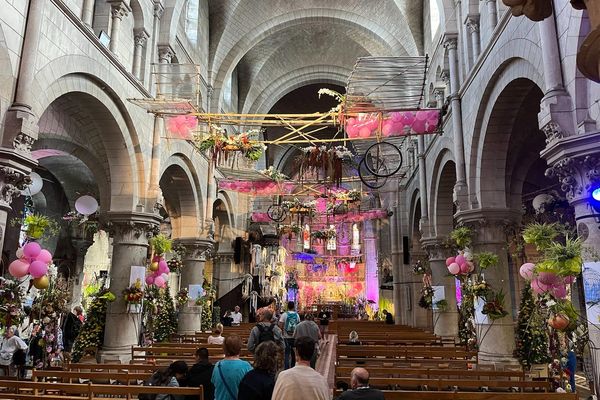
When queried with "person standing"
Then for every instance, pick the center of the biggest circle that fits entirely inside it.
(200, 374)
(12, 352)
(236, 316)
(287, 323)
(359, 382)
(228, 373)
(259, 383)
(324, 322)
(71, 328)
(309, 328)
(264, 331)
(302, 382)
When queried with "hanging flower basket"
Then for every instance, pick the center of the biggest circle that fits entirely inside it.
(222, 147)
(325, 161)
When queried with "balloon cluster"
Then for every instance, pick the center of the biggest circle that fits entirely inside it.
(462, 264)
(159, 272)
(32, 260)
(546, 282)
(182, 126)
(396, 123)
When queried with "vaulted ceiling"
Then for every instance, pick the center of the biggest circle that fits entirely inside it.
(278, 45)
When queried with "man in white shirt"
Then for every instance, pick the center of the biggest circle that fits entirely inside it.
(302, 382)
(236, 316)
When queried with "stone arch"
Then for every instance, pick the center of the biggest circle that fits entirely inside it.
(223, 221)
(503, 141)
(414, 209)
(224, 61)
(512, 69)
(137, 13)
(287, 83)
(442, 195)
(170, 21)
(82, 76)
(182, 200)
(89, 159)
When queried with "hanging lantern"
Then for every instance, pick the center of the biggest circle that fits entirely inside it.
(331, 242)
(306, 237)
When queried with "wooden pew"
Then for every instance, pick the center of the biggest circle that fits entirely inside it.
(96, 377)
(176, 351)
(404, 352)
(10, 389)
(442, 384)
(405, 362)
(424, 395)
(434, 373)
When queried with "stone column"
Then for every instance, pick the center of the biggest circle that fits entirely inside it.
(196, 251)
(371, 262)
(139, 42)
(165, 55)
(87, 12)
(130, 232)
(81, 246)
(490, 226)
(492, 10)
(118, 10)
(574, 161)
(473, 28)
(445, 323)
(396, 263)
(556, 117)
(460, 188)
(159, 10)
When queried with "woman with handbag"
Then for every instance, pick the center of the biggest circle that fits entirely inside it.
(228, 373)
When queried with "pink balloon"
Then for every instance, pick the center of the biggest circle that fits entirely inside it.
(450, 260)
(352, 131)
(159, 281)
(471, 266)
(569, 279)
(560, 291)
(398, 128)
(32, 250)
(364, 132)
(419, 126)
(454, 268)
(547, 278)
(396, 116)
(162, 266)
(387, 129)
(37, 269)
(422, 115)
(373, 124)
(431, 127)
(44, 256)
(464, 268)
(350, 122)
(526, 271)
(18, 268)
(149, 280)
(408, 117)
(460, 259)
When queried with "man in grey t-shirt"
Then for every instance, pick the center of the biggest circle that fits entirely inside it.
(309, 328)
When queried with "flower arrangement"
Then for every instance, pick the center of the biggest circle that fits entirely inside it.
(36, 225)
(11, 299)
(326, 160)
(182, 297)
(486, 260)
(480, 289)
(91, 335)
(441, 305)
(426, 300)
(298, 207)
(494, 306)
(419, 268)
(532, 335)
(161, 244)
(86, 224)
(289, 229)
(175, 264)
(134, 293)
(220, 144)
(274, 174)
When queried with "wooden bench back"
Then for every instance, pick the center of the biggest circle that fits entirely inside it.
(404, 352)
(382, 372)
(423, 395)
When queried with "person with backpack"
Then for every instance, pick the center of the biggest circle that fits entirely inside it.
(287, 323)
(265, 330)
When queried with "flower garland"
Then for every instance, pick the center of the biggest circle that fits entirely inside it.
(91, 335)
(352, 217)
(11, 300)
(221, 145)
(258, 188)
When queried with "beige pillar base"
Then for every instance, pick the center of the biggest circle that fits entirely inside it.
(189, 319)
(445, 323)
(497, 342)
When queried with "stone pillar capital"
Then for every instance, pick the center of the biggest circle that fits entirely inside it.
(491, 225)
(140, 36)
(132, 226)
(165, 53)
(472, 23)
(439, 93)
(436, 248)
(450, 41)
(197, 249)
(574, 161)
(119, 9)
(159, 9)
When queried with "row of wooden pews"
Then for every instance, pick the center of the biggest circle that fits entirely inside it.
(93, 381)
(408, 363)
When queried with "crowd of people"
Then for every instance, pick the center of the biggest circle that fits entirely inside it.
(286, 336)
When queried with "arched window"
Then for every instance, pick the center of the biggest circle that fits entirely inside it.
(434, 17)
(191, 21)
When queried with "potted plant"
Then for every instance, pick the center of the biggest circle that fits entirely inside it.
(161, 244)
(182, 297)
(462, 237)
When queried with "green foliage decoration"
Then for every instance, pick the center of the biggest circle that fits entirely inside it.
(462, 237)
(486, 259)
(541, 235)
(532, 335)
(161, 244)
(91, 335)
(165, 321)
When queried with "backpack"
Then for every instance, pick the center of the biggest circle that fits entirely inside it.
(290, 322)
(265, 333)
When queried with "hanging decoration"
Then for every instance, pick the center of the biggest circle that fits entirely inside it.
(253, 301)
(246, 286)
(395, 123)
(306, 237)
(331, 240)
(159, 269)
(86, 205)
(182, 126)
(223, 147)
(355, 247)
(258, 188)
(352, 216)
(324, 161)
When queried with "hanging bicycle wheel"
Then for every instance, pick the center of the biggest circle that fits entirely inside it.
(277, 213)
(368, 178)
(383, 159)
